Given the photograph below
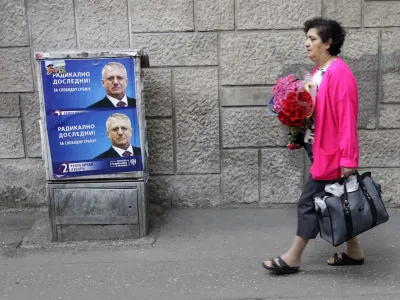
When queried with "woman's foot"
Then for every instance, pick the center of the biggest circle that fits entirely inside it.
(289, 260)
(354, 254)
(279, 266)
(345, 259)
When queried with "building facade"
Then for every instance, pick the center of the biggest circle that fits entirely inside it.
(213, 65)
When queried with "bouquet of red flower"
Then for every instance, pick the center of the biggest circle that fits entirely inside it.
(293, 104)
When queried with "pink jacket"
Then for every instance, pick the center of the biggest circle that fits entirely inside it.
(335, 135)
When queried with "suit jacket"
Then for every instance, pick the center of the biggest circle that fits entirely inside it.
(105, 102)
(111, 153)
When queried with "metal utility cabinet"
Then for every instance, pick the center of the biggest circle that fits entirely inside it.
(94, 190)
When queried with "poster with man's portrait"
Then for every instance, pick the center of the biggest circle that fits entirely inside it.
(96, 83)
(91, 116)
(97, 142)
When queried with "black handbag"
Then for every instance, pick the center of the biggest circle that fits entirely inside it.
(342, 218)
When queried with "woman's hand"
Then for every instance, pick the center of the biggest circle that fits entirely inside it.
(346, 172)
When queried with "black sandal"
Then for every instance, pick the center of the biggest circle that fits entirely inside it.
(346, 260)
(281, 269)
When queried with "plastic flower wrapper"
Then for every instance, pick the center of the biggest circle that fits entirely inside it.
(310, 88)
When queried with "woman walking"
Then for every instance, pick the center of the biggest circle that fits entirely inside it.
(331, 142)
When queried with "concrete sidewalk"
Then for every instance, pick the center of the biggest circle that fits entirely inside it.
(197, 254)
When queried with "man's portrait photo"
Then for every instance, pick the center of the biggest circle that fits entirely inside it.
(55, 66)
(50, 69)
(114, 81)
(119, 132)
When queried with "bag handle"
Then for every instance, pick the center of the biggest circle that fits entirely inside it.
(346, 211)
(366, 194)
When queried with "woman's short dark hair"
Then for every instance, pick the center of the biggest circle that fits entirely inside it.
(327, 29)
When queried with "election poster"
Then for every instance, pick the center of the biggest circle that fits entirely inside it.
(96, 83)
(91, 116)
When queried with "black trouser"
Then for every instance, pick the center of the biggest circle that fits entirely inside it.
(307, 222)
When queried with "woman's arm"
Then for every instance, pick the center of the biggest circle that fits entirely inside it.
(345, 109)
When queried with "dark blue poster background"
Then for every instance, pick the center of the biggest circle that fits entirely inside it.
(76, 83)
(78, 134)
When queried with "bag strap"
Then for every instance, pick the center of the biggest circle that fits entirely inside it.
(344, 198)
(371, 202)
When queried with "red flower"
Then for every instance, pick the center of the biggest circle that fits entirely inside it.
(292, 113)
(305, 101)
(292, 146)
(289, 103)
(297, 122)
(284, 118)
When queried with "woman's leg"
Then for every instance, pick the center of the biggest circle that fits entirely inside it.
(307, 223)
(293, 255)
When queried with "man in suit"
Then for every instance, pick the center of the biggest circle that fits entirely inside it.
(119, 131)
(114, 81)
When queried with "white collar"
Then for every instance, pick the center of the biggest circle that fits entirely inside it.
(121, 151)
(116, 101)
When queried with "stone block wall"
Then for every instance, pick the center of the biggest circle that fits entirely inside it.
(213, 64)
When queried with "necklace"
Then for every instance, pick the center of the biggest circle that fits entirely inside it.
(323, 69)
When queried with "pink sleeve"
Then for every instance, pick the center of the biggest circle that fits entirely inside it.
(344, 93)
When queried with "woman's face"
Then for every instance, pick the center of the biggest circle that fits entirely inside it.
(317, 50)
